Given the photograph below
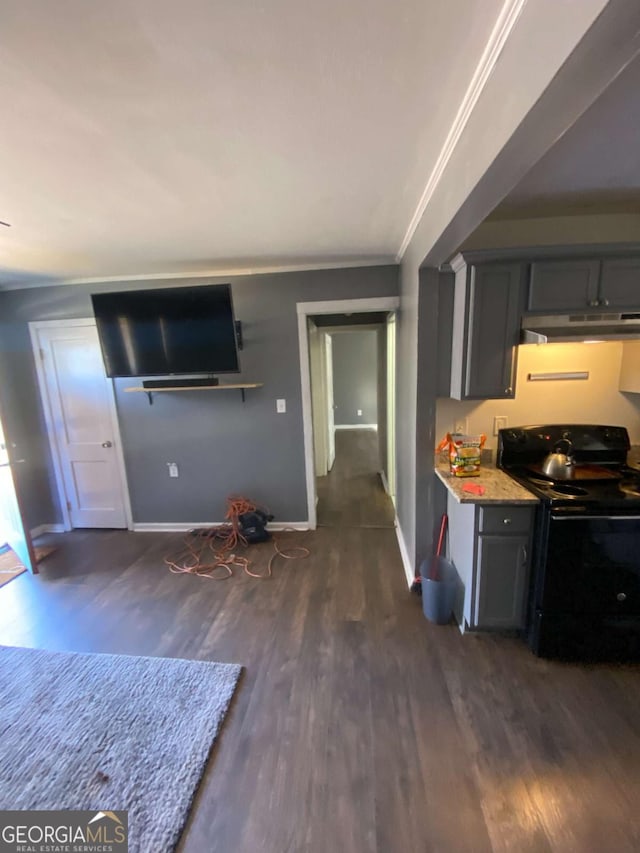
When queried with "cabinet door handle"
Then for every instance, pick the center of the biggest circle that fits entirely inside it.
(524, 555)
(594, 303)
(621, 596)
(604, 302)
(506, 521)
(508, 390)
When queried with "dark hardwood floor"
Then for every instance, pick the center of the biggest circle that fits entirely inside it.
(358, 725)
(352, 495)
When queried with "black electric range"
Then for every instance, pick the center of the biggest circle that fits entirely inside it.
(584, 598)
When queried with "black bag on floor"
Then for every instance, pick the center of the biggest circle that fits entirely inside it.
(252, 525)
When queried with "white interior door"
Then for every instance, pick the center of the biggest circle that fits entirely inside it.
(329, 403)
(12, 527)
(80, 408)
(391, 406)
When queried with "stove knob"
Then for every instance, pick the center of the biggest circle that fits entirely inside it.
(621, 596)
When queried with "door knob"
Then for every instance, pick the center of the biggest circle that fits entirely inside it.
(107, 444)
(621, 596)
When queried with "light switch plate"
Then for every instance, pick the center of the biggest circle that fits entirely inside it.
(461, 426)
(281, 406)
(499, 422)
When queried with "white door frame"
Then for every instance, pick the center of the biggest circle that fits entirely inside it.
(390, 473)
(42, 325)
(329, 417)
(306, 309)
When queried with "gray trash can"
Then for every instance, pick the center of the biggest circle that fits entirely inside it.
(439, 583)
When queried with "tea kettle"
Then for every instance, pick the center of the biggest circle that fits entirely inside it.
(559, 464)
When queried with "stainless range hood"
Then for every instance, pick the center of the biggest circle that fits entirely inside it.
(558, 328)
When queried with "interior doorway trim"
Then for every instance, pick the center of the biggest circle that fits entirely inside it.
(309, 309)
(34, 328)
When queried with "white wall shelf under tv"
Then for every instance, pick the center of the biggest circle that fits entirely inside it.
(242, 387)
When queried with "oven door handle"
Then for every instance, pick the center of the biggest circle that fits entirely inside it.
(604, 517)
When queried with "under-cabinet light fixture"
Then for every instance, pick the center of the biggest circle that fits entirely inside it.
(549, 377)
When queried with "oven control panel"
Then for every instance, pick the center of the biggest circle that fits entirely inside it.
(589, 442)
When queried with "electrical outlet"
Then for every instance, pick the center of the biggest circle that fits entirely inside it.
(461, 425)
(281, 406)
(499, 422)
(173, 469)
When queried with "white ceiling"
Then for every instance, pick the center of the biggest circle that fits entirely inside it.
(148, 136)
(594, 166)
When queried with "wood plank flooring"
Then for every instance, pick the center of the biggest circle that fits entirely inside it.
(352, 493)
(358, 726)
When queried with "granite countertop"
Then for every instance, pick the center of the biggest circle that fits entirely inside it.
(499, 488)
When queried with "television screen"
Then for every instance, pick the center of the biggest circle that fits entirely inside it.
(168, 331)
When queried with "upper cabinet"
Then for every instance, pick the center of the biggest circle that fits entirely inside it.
(489, 297)
(486, 326)
(584, 285)
(620, 283)
(563, 285)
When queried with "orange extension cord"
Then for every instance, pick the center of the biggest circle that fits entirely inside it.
(212, 552)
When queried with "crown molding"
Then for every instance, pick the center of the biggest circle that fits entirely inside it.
(504, 25)
(212, 273)
(458, 263)
(568, 251)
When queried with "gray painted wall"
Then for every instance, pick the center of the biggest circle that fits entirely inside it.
(406, 405)
(355, 377)
(420, 498)
(221, 445)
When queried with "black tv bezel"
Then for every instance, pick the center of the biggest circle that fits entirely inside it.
(205, 372)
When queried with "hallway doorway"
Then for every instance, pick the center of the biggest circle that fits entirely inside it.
(317, 322)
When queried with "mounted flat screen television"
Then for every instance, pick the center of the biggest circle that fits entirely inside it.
(168, 331)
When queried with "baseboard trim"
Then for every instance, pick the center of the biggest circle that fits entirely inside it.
(184, 527)
(404, 553)
(46, 528)
(357, 426)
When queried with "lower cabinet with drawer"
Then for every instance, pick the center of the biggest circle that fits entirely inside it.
(490, 547)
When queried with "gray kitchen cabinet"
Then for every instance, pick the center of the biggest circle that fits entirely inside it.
(446, 286)
(557, 286)
(490, 546)
(486, 326)
(500, 584)
(620, 283)
(584, 285)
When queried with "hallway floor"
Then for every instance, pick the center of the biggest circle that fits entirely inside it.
(352, 494)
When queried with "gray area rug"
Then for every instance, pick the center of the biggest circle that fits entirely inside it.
(109, 732)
